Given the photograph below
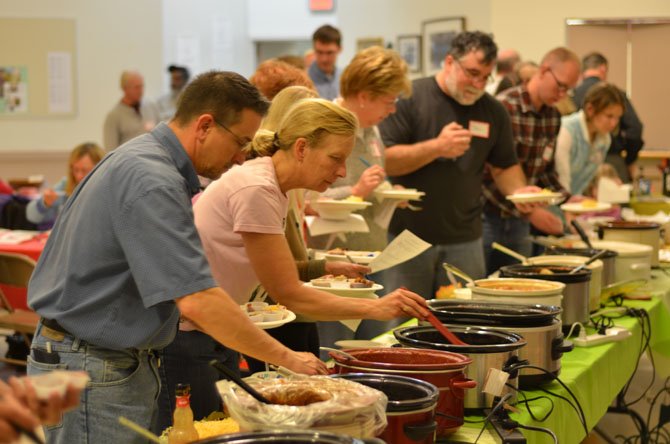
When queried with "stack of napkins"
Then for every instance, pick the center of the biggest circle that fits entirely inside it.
(611, 192)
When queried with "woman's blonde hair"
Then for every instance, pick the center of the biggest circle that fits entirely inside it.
(378, 71)
(282, 102)
(310, 119)
(89, 149)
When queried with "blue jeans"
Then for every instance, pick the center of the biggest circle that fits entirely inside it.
(510, 232)
(123, 383)
(186, 360)
(424, 274)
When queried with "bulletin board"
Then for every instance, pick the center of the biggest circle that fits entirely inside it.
(37, 68)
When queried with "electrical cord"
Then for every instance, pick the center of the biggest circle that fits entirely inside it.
(539, 429)
(577, 408)
(493, 411)
(527, 400)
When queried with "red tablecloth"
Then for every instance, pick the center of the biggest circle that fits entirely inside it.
(32, 248)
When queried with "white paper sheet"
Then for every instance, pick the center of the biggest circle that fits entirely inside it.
(611, 192)
(404, 247)
(353, 224)
(15, 237)
(59, 72)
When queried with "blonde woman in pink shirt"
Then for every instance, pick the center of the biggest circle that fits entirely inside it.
(240, 218)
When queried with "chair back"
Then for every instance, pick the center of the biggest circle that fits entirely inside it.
(15, 270)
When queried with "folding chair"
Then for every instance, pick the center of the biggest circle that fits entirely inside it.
(15, 270)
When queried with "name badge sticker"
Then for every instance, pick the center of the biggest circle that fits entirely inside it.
(479, 129)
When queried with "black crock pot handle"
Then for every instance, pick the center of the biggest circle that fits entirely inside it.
(560, 346)
(419, 432)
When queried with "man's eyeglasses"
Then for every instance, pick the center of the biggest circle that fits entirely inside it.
(473, 74)
(562, 87)
(239, 140)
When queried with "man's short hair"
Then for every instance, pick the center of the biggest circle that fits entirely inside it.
(185, 74)
(223, 94)
(593, 60)
(327, 34)
(469, 41)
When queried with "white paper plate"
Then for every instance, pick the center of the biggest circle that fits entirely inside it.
(349, 292)
(290, 316)
(358, 343)
(406, 194)
(577, 207)
(339, 205)
(360, 257)
(550, 198)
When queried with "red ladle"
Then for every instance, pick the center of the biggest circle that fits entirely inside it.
(444, 331)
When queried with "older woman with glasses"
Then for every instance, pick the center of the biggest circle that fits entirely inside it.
(369, 87)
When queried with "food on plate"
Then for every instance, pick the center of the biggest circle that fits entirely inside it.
(341, 281)
(353, 198)
(546, 191)
(338, 251)
(267, 313)
(589, 203)
(545, 271)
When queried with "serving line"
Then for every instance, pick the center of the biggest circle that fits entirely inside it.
(594, 374)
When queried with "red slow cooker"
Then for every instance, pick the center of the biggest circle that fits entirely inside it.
(445, 370)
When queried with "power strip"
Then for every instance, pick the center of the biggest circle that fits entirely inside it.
(611, 335)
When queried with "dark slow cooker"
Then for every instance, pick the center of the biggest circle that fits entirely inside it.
(287, 437)
(608, 260)
(410, 411)
(575, 302)
(537, 324)
(487, 348)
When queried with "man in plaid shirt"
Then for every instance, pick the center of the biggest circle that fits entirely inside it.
(535, 124)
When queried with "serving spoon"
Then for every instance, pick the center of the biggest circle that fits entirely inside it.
(582, 233)
(509, 252)
(461, 274)
(338, 351)
(596, 256)
(239, 381)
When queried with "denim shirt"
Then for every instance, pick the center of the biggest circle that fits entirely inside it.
(124, 247)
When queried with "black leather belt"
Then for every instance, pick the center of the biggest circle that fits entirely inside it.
(54, 325)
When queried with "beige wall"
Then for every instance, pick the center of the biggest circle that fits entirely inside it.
(111, 36)
(533, 27)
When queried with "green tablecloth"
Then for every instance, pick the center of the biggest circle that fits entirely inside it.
(594, 374)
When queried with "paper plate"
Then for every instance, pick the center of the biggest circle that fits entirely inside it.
(290, 316)
(360, 257)
(550, 198)
(358, 343)
(406, 194)
(337, 209)
(577, 207)
(349, 292)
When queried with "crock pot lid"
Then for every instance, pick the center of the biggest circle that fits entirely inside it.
(465, 312)
(588, 252)
(625, 249)
(404, 394)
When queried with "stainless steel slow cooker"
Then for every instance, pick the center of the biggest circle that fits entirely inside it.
(487, 348)
(537, 324)
(575, 302)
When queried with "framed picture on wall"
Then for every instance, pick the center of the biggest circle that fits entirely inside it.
(369, 41)
(437, 36)
(409, 47)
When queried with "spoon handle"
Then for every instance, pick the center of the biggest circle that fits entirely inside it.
(239, 381)
(444, 331)
(582, 233)
(509, 252)
(458, 272)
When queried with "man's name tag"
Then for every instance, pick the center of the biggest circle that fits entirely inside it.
(479, 129)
